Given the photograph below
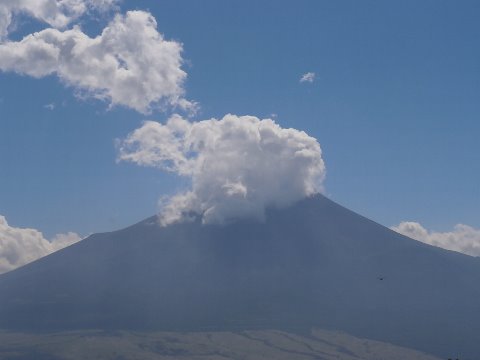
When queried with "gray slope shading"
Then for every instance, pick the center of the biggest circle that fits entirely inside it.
(315, 264)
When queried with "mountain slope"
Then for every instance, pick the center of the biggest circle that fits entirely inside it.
(313, 264)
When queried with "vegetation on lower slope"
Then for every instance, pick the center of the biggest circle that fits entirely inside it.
(245, 345)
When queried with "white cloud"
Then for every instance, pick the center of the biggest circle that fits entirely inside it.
(463, 238)
(238, 165)
(20, 246)
(308, 77)
(129, 64)
(56, 13)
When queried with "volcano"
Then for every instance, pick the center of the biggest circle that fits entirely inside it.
(314, 264)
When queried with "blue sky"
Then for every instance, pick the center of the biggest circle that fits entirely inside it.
(394, 105)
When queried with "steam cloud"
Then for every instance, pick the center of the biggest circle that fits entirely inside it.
(129, 64)
(238, 165)
(20, 246)
(463, 238)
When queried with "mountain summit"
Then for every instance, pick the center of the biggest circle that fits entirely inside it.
(314, 264)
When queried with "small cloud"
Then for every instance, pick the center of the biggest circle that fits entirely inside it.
(50, 106)
(462, 238)
(19, 246)
(308, 77)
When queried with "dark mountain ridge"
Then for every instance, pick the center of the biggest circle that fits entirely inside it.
(314, 264)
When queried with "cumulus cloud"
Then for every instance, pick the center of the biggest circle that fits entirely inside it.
(463, 238)
(238, 165)
(20, 246)
(308, 77)
(129, 63)
(56, 13)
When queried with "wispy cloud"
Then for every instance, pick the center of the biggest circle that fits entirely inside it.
(238, 165)
(19, 246)
(308, 77)
(462, 238)
(56, 13)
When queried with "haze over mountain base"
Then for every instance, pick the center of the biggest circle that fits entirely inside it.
(314, 264)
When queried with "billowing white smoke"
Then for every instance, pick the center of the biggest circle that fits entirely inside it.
(463, 238)
(20, 246)
(238, 165)
(56, 13)
(129, 64)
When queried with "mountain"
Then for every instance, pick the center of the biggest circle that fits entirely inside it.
(312, 265)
